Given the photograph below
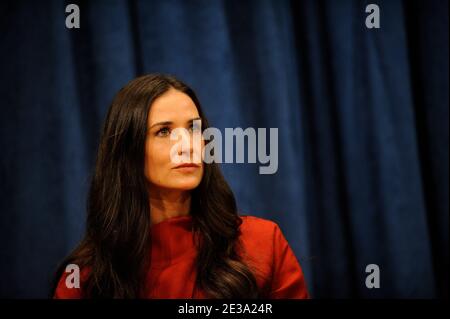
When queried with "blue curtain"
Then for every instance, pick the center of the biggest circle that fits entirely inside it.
(362, 115)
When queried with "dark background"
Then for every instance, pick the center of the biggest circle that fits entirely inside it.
(362, 116)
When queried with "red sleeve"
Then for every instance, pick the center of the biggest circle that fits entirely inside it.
(288, 281)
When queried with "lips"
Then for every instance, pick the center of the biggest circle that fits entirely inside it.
(187, 165)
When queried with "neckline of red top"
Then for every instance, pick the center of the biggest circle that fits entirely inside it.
(176, 219)
(172, 241)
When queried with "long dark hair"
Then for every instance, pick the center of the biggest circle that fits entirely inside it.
(117, 240)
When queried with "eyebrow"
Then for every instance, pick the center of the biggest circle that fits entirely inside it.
(170, 122)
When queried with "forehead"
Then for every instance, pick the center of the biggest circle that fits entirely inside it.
(173, 106)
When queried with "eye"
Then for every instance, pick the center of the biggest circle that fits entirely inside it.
(164, 131)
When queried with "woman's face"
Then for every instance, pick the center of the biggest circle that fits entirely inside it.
(174, 109)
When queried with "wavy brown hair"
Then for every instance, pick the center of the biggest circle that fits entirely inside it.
(117, 239)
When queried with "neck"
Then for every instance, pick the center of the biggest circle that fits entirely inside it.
(166, 204)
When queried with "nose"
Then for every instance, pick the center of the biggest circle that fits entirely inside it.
(185, 148)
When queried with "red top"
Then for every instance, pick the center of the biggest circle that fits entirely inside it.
(172, 271)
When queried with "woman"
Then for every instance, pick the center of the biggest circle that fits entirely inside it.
(156, 229)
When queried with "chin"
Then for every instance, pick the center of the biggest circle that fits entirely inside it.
(186, 185)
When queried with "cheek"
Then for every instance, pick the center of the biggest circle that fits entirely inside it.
(157, 159)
